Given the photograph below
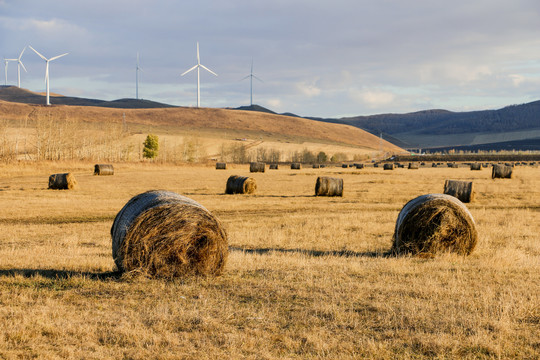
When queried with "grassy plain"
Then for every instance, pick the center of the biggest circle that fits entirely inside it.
(307, 277)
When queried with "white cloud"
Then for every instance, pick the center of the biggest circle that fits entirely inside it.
(309, 89)
(373, 98)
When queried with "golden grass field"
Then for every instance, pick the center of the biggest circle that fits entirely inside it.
(307, 277)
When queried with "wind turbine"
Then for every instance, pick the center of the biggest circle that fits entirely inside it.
(198, 67)
(6, 62)
(19, 64)
(137, 68)
(47, 70)
(251, 76)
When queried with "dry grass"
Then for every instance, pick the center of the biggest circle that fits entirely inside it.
(307, 277)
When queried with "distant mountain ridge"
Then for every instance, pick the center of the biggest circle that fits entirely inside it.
(19, 95)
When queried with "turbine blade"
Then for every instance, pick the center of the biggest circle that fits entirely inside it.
(41, 56)
(198, 58)
(257, 78)
(56, 57)
(22, 52)
(20, 62)
(207, 69)
(245, 77)
(193, 68)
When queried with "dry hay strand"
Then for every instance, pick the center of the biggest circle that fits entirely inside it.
(296, 166)
(388, 166)
(240, 185)
(163, 234)
(414, 166)
(434, 223)
(501, 172)
(274, 166)
(103, 169)
(476, 166)
(328, 186)
(257, 167)
(64, 181)
(463, 190)
(221, 166)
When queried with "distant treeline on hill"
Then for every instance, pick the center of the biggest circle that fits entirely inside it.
(441, 122)
(467, 157)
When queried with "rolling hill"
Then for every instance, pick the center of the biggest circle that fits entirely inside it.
(279, 130)
(512, 127)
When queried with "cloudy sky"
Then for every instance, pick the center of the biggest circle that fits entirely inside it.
(315, 58)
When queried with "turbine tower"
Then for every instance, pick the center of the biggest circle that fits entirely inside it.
(47, 71)
(6, 62)
(251, 76)
(137, 68)
(198, 67)
(19, 64)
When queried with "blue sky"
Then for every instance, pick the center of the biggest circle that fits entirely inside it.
(316, 58)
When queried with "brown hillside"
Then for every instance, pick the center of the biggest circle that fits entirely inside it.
(205, 119)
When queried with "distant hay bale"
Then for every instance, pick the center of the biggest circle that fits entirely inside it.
(375, 165)
(296, 166)
(501, 172)
(359, 166)
(103, 169)
(221, 166)
(388, 167)
(240, 185)
(463, 190)
(476, 166)
(316, 166)
(345, 166)
(434, 223)
(273, 167)
(434, 165)
(414, 166)
(328, 186)
(257, 167)
(64, 181)
(163, 234)
(323, 166)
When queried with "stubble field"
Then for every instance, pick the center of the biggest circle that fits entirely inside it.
(307, 277)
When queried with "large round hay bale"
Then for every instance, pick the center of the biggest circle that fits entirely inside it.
(221, 166)
(434, 223)
(273, 167)
(359, 166)
(463, 190)
(240, 185)
(501, 172)
(414, 166)
(328, 186)
(476, 166)
(388, 166)
(296, 166)
(257, 167)
(65, 181)
(103, 169)
(164, 234)
(316, 166)
(434, 165)
(345, 166)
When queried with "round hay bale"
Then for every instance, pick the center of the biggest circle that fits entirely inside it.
(359, 166)
(376, 165)
(257, 167)
(164, 234)
(296, 166)
(274, 166)
(463, 190)
(221, 166)
(501, 172)
(434, 165)
(344, 166)
(434, 223)
(65, 181)
(240, 185)
(323, 166)
(388, 166)
(328, 186)
(316, 166)
(414, 166)
(476, 166)
(103, 169)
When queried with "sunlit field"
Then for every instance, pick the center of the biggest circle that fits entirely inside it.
(307, 277)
